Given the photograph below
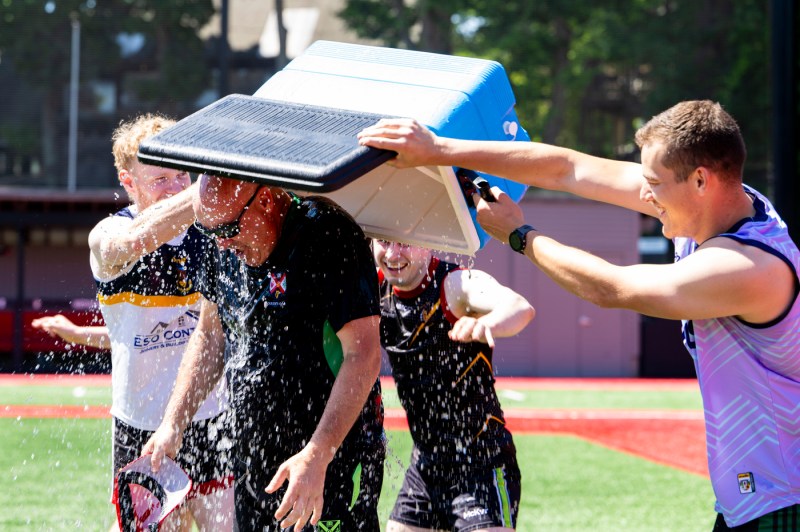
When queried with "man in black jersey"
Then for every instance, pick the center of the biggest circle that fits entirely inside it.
(438, 324)
(291, 314)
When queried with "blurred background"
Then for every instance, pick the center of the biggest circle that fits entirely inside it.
(586, 74)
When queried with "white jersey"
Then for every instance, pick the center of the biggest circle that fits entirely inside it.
(151, 310)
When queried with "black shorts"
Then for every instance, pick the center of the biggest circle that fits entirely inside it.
(352, 487)
(204, 453)
(783, 520)
(458, 498)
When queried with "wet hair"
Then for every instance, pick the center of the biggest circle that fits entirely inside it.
(128, 135)
(697, 133)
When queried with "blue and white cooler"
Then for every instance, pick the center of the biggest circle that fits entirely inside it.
(457, 97)
(298, 131)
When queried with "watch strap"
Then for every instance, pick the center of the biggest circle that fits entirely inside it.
(518, 238)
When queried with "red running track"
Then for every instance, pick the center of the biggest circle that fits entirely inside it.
(670, 437)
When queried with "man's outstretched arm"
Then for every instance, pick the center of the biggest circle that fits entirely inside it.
(200, 369)
(531, 163)
(62, 327)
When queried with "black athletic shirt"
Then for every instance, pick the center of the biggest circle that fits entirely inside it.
(280, 320)
(446, 387)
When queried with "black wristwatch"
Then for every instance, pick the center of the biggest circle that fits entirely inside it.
(518, 238)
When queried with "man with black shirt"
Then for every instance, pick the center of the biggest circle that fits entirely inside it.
(438, 324)
(291, 315)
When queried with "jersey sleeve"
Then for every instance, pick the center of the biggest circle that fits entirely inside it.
(353, 289)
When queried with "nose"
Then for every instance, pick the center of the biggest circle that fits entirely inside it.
(177, 183)
(645, 193)
(394, 248)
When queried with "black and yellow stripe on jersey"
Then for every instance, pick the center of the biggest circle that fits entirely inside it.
(163, 278)
(446, 387)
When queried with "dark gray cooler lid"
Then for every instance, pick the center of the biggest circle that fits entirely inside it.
(290, 145)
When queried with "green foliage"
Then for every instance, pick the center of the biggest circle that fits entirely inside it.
(21, 138)
(587, 72)
(418, 25)
(388, 22)
(36, 38)
(35, 35)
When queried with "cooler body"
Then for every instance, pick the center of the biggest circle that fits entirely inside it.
(456, 97)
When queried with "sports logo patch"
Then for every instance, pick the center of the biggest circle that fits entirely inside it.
(277, 283)
(183, 283)
(171, 334)
(746, 483)
(329, 526)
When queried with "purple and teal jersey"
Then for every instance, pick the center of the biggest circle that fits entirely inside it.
(749, 376)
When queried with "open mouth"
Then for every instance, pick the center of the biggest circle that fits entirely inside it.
(396, 266)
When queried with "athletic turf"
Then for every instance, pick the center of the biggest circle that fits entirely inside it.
(54, 473)
(55, 477)
(511, 396)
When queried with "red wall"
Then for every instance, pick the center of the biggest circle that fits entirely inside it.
(35, 340)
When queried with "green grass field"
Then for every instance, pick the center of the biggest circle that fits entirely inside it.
(55, 473)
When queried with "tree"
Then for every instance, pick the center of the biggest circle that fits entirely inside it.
(587, 72)
(35, 37)
(421, 25)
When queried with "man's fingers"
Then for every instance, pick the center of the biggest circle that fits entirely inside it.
(299, 516)
(489, 337)
(156, 458)
(280, 477)
(317, 510)
(288, 502)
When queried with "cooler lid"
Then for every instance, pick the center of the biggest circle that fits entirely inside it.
(311, 149)
(297, 146)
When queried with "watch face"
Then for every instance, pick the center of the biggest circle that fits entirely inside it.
(515, 241)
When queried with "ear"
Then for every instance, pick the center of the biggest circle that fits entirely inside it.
(265, 199)
(125, 179)
(700, 179)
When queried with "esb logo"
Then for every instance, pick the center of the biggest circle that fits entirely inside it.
(144, 341)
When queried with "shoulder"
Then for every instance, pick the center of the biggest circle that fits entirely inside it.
(757, 252)
(463, 278)
(759, 272)
(461, 283)
(330, 223)
(114, 224)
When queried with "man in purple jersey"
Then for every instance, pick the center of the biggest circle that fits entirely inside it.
(734, 282)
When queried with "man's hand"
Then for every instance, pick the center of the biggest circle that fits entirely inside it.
(165, 441)
(305, 472)
(58, 326)
(469, 329)
(498, 218)
(415, 144)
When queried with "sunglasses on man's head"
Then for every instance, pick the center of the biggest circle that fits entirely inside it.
(227, 229)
